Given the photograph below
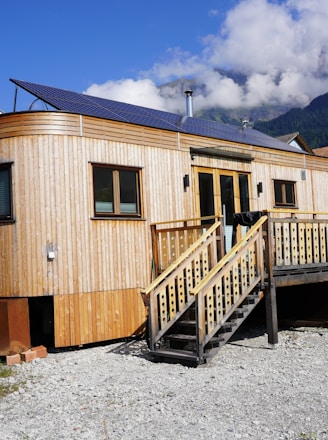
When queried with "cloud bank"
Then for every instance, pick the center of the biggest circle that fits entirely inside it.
(281, 48)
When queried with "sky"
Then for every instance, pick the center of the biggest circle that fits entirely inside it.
(124, 49)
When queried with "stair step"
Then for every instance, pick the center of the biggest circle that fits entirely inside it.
(229, 324)
(177, 355)
(252, 297)
(187, 323)
(181, 337)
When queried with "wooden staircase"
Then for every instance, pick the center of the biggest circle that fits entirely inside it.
(199, 302)
(180, 344)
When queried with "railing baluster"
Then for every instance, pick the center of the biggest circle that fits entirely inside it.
(315, 230)
(235, 282)
(301, 243)
(293, 246)
(218, 299)
(323, 241)
(163, 312)
(286, 244)
(309, 254)
(278, 243)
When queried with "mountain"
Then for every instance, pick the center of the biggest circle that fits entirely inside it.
(311, 122)
(275, 120)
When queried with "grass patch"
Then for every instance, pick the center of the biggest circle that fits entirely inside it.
(6, 388)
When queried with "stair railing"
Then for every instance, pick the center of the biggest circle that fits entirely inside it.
(228, 284)
(169, 295)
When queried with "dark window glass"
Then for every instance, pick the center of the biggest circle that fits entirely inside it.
(128, 192)
(103, 190)
(227, 198)
(5, 192)
(206, 195)
(243, 191)
(290, 199)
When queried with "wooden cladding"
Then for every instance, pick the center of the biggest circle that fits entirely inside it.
(98, 316)
(69, 124)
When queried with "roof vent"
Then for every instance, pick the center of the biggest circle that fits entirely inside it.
(189, 108)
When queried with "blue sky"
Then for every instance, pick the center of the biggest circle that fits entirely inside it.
(123, 49)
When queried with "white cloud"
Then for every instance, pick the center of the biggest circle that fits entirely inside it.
(139, 92)
(282, 48)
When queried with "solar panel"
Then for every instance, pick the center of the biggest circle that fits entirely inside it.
(80, 103)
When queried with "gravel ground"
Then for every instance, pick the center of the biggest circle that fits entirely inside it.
(248, 391)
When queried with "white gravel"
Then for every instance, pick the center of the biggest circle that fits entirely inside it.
(248, 391)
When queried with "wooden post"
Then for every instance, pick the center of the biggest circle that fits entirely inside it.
(270, 292)
(271, 314)
(154, 240)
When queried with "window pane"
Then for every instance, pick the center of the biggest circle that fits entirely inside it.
(103, 190)
(128, 192)
(5, 204)
(227, 197)
(278, 193)
(290, 194)
(243, 191)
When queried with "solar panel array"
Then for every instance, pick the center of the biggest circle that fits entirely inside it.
(73, 102)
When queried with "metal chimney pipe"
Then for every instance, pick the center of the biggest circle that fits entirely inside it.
(189, 108)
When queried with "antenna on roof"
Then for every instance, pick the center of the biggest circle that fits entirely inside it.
(246, 122)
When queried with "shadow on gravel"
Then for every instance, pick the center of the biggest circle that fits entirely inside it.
(139, 347)
(247, 333)
(135, 347)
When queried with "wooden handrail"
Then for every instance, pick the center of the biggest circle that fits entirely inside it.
(293, 211)
(186, 220)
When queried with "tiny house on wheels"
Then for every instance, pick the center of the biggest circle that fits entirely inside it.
(111, 212)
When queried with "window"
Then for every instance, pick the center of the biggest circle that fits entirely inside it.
(243, 192)
(5, 192)
(116, 191)
(284, 193)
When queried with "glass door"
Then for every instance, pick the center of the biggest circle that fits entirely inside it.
(223, 192)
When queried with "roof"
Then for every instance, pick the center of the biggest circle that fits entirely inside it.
(321, 151)
(73, 102)
(296, 140)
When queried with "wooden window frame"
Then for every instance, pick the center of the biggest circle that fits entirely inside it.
(8, 217)
(117, 212)
(283, 184)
